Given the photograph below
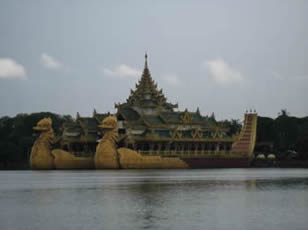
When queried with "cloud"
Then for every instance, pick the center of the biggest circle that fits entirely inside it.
(50, 62)
(223, 73)
(171, 79)
(123, 71)
(9, 69)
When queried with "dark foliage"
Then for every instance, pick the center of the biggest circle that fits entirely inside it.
(17, 136)
(286, 134)
(233, 126)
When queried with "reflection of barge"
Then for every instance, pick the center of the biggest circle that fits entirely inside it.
(148, 124)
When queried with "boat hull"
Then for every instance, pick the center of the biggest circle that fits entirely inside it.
(217, 163)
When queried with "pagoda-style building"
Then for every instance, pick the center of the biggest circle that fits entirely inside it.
(149, 124)
(80, 137)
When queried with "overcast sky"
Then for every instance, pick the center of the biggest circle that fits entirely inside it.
(221, 56)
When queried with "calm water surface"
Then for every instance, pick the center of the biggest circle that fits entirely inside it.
(155, 199)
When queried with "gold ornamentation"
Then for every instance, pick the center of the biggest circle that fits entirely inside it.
(41, 157)
(196, 133)
(106, 155)
(186, 118)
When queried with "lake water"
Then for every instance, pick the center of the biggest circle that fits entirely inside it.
(155, 199)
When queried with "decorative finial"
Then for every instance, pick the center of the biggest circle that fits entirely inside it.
(146, 60)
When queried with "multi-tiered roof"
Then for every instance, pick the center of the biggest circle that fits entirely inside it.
(146, 94)
(147, 108)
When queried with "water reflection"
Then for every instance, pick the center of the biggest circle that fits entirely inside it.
(150, 198)
(155, 204)
(155, 199)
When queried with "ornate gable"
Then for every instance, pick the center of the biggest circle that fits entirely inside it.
(186, 118)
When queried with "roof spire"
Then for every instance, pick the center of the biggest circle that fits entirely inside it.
(146, 60)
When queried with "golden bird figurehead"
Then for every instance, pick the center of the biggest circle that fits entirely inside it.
(43, 125)
(109, 122)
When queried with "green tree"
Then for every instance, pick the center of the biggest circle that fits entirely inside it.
(302, 139)
(265, 129)
(286, 132)
(233, 125)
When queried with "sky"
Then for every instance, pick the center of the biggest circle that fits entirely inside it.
(224, 57)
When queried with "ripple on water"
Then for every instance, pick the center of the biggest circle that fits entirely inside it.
(155, 199)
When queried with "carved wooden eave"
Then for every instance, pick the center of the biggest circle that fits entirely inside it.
(176, 134)
(217, 134)
(186, 117)
(196, 133)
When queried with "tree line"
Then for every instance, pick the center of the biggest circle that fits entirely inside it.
(283, 135)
